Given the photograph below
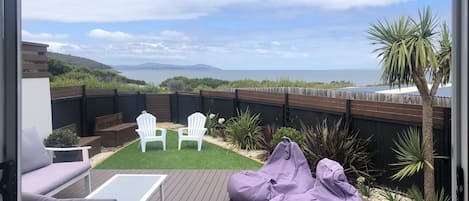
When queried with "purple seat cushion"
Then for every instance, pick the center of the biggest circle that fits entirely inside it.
(286, 172)
(48, 178)
(37, 197)
(33, 153)
(331, 183)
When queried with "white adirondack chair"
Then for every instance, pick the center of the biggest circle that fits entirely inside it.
(195, 130)
(147, 130)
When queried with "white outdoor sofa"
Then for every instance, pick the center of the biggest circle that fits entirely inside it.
(40, 175)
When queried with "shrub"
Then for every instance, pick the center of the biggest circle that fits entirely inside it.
(61, 138)
(244, 130)
(338, 143)
(176, 85)
(268, 132)
(292, 133)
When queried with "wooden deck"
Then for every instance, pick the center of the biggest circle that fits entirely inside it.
(180, 185)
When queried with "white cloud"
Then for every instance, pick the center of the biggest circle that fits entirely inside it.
(337, 4)
(62, 47)
(136, 10)
(107, 35)
(26, 35)
(174, 35)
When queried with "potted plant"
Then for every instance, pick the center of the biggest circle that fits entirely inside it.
(62, 138)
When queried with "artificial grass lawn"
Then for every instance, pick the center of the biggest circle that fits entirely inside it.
(210, 157)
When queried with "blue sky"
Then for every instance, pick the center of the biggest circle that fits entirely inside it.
(230, 34)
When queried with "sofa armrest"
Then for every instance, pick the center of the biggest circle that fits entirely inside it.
(84, 151)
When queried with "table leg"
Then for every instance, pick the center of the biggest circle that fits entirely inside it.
(161, 192)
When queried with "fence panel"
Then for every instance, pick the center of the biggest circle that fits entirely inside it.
(66, 92)
(131, 106)
(159, 105)
(315, 102)
(269, 113)
(311, 117)
(65, 112)
(224, 107)
(188, 104)
(97, 106)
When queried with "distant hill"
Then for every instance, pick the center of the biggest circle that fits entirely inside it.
(159, 66)
(79, 61)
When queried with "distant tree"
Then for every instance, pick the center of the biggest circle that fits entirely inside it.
(409, 55)
(165, 82)
(57, 67)
(175, 85)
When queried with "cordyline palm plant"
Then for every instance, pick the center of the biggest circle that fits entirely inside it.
(335, 141)
(244, 130)
(409, 55)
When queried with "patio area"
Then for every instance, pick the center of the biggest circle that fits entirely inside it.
(194, 185)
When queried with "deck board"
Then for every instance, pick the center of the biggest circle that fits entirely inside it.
(180, 185)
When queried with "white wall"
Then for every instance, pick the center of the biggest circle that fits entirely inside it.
(36, 105)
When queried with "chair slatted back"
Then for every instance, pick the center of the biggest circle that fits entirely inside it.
(146, 123)
(196, 120)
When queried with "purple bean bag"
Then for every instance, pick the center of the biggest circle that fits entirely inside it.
(286, 172)
(331, 185)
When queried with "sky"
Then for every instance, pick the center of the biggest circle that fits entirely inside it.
(229, 34)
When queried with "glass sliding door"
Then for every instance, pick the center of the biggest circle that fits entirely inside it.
(10, 78)
(460, 107)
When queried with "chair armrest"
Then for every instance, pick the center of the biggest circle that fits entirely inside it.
(181, 130)
(163, 130)
(84, 151)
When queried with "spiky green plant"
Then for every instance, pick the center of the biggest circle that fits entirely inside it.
(244, 131)
(409, 153)
(338, 143)
(416, 195)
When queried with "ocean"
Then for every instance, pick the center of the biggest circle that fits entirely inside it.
(358, 77)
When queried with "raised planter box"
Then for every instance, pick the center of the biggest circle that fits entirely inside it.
(113, 131)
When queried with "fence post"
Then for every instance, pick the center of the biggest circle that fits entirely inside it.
(144, 106)
(348, 115)
(176, 95)
(235, 103)
(83, 111)
(201, 105)
(116, 101)
(286, 113)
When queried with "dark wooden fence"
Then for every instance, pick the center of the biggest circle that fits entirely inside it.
(383, 121)
(81, 106)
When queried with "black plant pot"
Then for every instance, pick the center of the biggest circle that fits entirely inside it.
(67, 156)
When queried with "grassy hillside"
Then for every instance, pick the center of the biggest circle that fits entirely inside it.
(97, 75)
(78, 61)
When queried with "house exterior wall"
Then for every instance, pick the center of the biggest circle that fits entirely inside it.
(36, 105)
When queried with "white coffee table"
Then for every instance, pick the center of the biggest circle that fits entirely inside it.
(130, 187)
